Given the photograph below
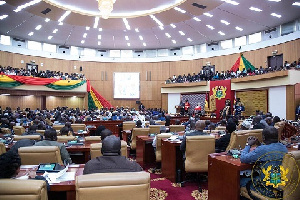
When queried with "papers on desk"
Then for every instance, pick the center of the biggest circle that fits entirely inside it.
(60, 176)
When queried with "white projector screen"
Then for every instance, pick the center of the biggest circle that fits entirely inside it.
(126, 85)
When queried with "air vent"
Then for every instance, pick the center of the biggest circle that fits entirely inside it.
(18, 40)
(138, 51)
(175, 49)
(270, 30)
(102, 51)
(213, 44)
(199, 6)
(47, 10)
(64, 47)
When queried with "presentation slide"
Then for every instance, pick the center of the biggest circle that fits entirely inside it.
(126, 85)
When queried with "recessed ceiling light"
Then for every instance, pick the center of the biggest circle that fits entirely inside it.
(38, 27)
(100, 29)
(96, 22)
(179, 10)
(231, 2)
(275, 0)
(239, 28)
(55, 30)
(141, 37)
(126, 37)
(82, 41)
(210, 27)
(99, 43)
(128, 44)
(2, 3)
(156, 20)
(126, 23)
(221, 33)
(296, 4)
(161, 27)
(181, 33)
(208, 14)
(276, 15)
(21, 7)
(255, 9)
(174, 41)
(189, 39)
(99, 37)
(137, 30)
(84, 35)
(47, 20)
(197, 19)
(31, 33)
(60, 23)
(3, 17)
(225, 22)
(173, 25)
(5, 94)
(144, 44)
(50, 37)
(64, 16)
(168, 35)
(87, 28)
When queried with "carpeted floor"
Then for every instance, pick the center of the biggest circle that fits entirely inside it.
(163, 189)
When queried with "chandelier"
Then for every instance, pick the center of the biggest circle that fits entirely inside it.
(106, 7)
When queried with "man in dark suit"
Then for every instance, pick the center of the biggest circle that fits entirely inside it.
(111, 161)
(200, 125)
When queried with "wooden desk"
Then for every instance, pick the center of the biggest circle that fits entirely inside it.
(110, 124)
(144, 150)
(171, 160)
(224, 177)
(56, 189)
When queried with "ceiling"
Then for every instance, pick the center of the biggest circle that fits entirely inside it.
(112, 31)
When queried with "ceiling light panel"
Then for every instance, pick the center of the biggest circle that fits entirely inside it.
(255, 9)
(225, 22)
(141, 37)
(99, 37)
(174, 41)
(38, 27)
(82, 42)
(87, 28)
(173, 25)
(3, 17)
(126, 23)
(31, 33)
(197, 19)
(126, 37)
(50, 37)
(208, 14)
(55, 30)
(168, 35)
(128, 44)
(161, 27)
(21, 7)
(84, 35)
(47, 20)
(239, 28)
(296, 4)
(2, 3)
(137, 30)
(189, 39)
(276, 15)
(156, 20)
(210, 27)
(61, 19)
(96, 22)
(231, 2)
(144, 44)
(181, 33)
(60, 23)
(275, 0)
(179, 10)
(221, 33)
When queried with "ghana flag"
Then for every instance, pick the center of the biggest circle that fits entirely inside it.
(95, 100)
(241, 64)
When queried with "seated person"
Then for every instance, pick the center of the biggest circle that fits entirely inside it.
(70, 129)
(106, 132)
(246, 125)
(50, 140)
(10, 163)
(99, 130)
(32, 131)
(111, 161)
(200, 125)
(138, 124)
(21, 143)
(257, 123)
(222, 143)
(268, 154)
(65, 131)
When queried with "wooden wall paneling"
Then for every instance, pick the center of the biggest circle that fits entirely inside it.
(29, 101)
(164, 101)
(297, 94)
(290, 102)
(253, 100)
